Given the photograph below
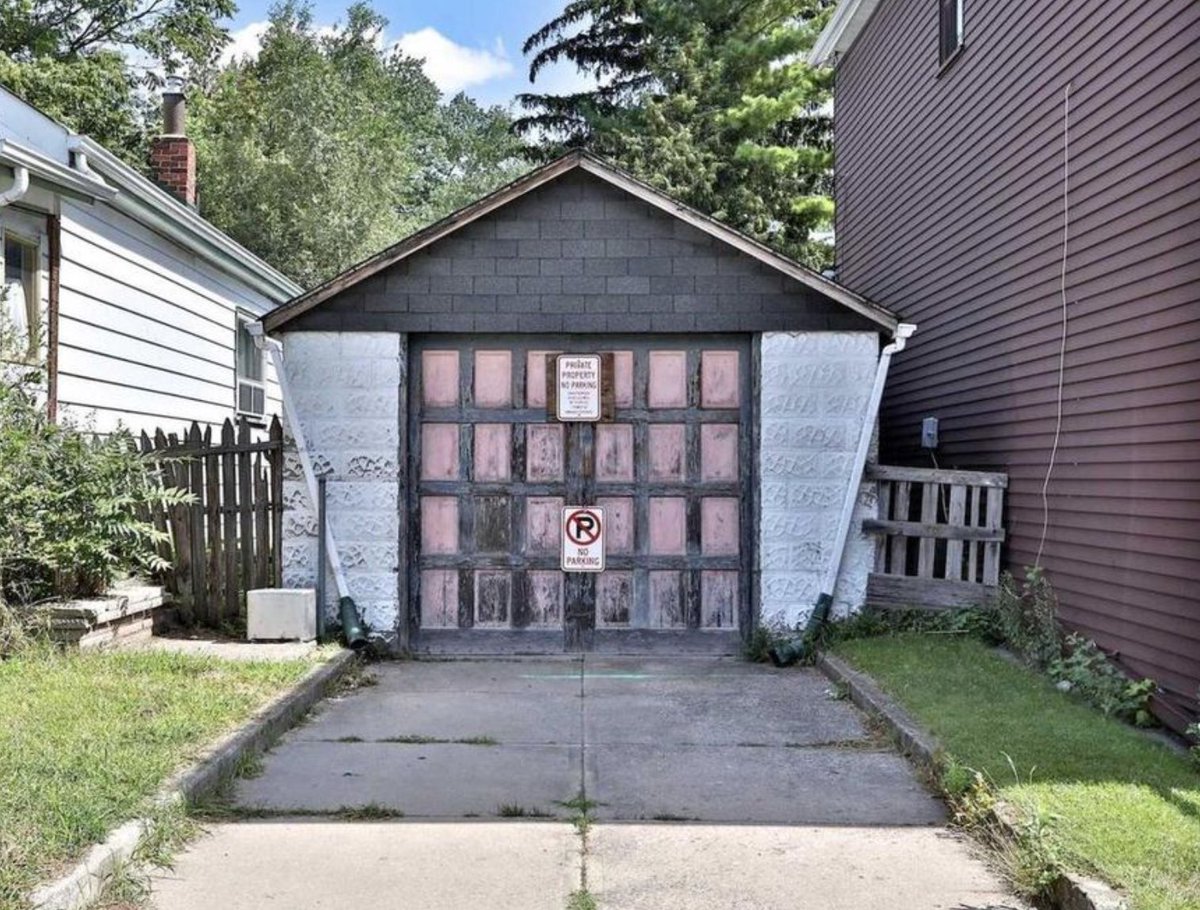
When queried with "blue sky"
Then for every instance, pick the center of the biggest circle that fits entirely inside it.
(467, 44)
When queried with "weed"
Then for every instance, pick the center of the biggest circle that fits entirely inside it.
(369, 812)
(1088, 672)
(511, 810)
(417, 739)
(839, 691)
(757, 648)
(670, 817)
(581, 900)
(478, 741)
(1026, 616)
(349, 739)
(249, 766)
(356, 677)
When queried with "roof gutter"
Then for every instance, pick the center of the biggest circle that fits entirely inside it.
(142, 200)
(40, 167)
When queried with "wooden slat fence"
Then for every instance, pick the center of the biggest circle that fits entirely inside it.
(229, 539)
(939, 537)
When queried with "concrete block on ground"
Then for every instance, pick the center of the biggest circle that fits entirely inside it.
(281, 614)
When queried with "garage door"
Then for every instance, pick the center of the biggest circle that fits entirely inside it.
(493, 471)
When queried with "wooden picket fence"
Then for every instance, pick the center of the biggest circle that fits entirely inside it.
(228, 540)
(939, 537)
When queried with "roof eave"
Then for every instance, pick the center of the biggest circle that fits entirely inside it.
(142, 200)
(844, 26)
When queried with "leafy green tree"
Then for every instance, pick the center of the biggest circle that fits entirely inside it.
(708, 100)
(72, 58)
(325, 148)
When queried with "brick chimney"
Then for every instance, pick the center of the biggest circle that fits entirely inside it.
(172, 155)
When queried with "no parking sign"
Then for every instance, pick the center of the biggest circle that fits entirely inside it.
(582, 539)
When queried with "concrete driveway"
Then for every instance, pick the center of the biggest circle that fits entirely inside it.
(652, 783)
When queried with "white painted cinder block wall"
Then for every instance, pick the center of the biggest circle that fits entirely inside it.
(346, 390)
(814, 392)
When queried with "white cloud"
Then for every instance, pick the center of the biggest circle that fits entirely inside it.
(452, 66)
(245, 42)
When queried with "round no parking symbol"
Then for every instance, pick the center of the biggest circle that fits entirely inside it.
(582, 539)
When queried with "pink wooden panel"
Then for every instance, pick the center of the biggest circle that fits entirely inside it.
(719, 379)
(493, 598)
(543, 519)
(439, 451)
(439, 524)
(666, 601)
(545, 598)
(614, 599)
(493, 379)
(668, 525)
(718, 600)
(439, 599)
(719, 451)
(668, 458)
(614, 451)
(535, 378)
(623, 378)
(719, 526)
(439, 378)
(544, 451)
(493, 451)
(668, 379)
(618, 523)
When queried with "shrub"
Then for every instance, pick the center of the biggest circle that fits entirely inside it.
(1026, 618)
(1088, 672)
(70, 502)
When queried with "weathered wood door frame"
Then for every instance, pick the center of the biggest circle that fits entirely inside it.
(579, 486)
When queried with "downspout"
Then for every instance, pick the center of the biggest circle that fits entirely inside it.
(352, 629)
(790, 651)
(19, 188)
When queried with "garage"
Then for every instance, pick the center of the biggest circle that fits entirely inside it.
(706, 478)
(496, 471)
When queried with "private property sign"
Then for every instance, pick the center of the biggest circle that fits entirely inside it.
(582, 539)
(578, 379)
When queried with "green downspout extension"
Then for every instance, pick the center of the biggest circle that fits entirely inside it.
(798, 648)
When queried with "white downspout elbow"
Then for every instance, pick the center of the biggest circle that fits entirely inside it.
(19, 188)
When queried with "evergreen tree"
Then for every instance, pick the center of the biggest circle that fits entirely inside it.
(708, 100)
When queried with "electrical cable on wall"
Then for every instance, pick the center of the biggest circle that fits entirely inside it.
(1062, 348)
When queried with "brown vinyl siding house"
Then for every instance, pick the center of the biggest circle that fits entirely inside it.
(951, 170)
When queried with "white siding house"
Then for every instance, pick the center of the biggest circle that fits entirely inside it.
(131, 300)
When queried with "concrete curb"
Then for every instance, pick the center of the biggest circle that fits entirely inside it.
(1070, 891)
(84, 883)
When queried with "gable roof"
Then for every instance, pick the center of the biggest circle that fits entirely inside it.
(849, 18)
(584, 161)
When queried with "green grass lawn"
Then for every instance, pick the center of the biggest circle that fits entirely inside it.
(86, 738)
(1119, 805)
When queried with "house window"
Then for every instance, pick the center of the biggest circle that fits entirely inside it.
(21, 322)
(251, 385)
(950, 29)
